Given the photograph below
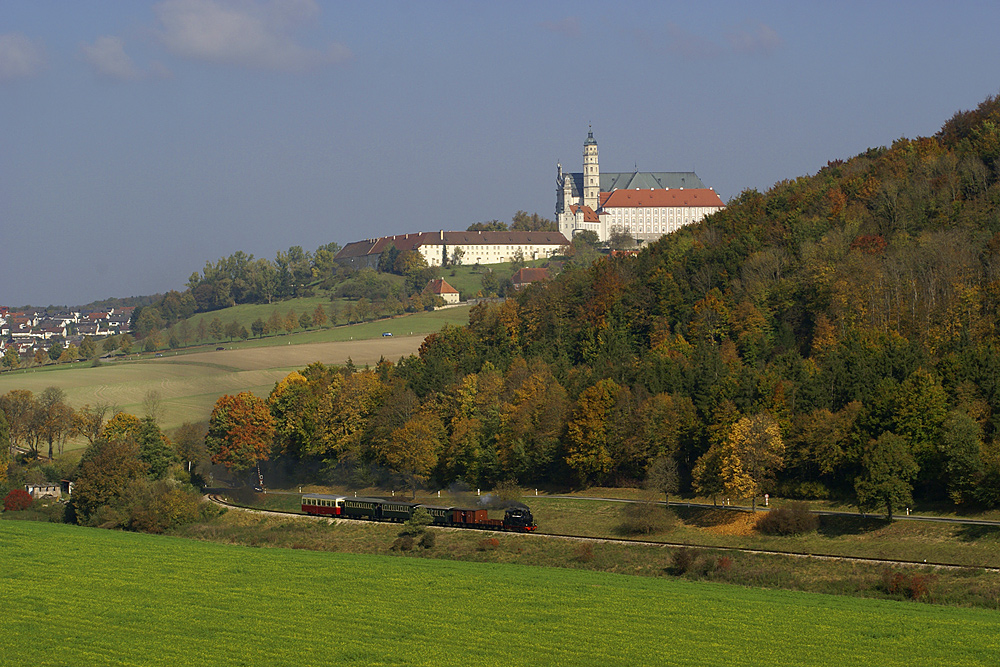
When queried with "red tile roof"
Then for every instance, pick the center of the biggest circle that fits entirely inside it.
(662, 198)
(529, 275)
(588, 213)
(440, 286)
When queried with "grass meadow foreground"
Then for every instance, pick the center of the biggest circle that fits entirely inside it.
(78, 596)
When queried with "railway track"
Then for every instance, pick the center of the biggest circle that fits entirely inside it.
(215, 498)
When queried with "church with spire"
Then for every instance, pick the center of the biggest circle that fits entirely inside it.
(647, 205)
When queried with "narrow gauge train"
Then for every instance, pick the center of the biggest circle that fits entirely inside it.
(516, 519)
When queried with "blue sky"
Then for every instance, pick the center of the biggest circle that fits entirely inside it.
(142, 139)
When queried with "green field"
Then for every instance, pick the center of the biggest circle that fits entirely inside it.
(190, 381)
(78, 596)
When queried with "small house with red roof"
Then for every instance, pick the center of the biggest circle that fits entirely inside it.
(440, 287)
(525, 276)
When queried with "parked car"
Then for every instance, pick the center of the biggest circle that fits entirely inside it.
(386, 334)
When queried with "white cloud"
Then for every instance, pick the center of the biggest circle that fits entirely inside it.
(108, 58)
(246, 33)
(754, 37)
(20, 57)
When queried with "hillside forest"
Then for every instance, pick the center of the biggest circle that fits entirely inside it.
(833, 338)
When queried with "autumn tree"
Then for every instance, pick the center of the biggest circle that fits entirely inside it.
(751, 455)
(123, 427)
(54, 419)
(294, 403)
(216, 328)
(531, 421)
(20, 407)
(10, 358)
(88, 348)
(5, 447)
(108, 469)
(240, 431)
(412, 450)
(588, 436)
(189, 443)
(662, 476)
(319, 316)
(275, 323)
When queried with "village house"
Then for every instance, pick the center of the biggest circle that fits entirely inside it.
(440, 287)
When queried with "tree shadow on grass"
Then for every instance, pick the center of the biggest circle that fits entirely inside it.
(972, 533)
(708, 517)
(836, 526)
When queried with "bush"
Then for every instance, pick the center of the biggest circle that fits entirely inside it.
(428, 539)
(17, 501)
(642, 518)
(682, 561)
(794, 519)
(488, 544)
(724, 564)
(404, 543)
(417, 524)
(913, 586)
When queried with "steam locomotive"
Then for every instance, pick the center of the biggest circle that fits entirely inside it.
(516, 519)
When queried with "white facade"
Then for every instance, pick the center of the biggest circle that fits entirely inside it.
(645, 204)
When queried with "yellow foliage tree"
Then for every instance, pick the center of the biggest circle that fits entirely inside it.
(412, 450)
(751, 455)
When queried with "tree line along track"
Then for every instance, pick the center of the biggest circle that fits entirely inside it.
(215, 498)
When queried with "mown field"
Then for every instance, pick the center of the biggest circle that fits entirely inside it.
(77, 596)
(190, 381)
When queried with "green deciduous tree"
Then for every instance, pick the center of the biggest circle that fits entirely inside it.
(888, 468)
(257, 327)
(154, 448)
(962, 449)
(10, 358)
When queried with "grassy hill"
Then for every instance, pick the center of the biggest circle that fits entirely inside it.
(189, 381)
(129, 599)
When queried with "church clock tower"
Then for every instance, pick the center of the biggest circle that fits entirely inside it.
(591, 173)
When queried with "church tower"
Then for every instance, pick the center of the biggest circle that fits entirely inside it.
(591, 173)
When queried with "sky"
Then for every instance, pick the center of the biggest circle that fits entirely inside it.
(142, 139)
